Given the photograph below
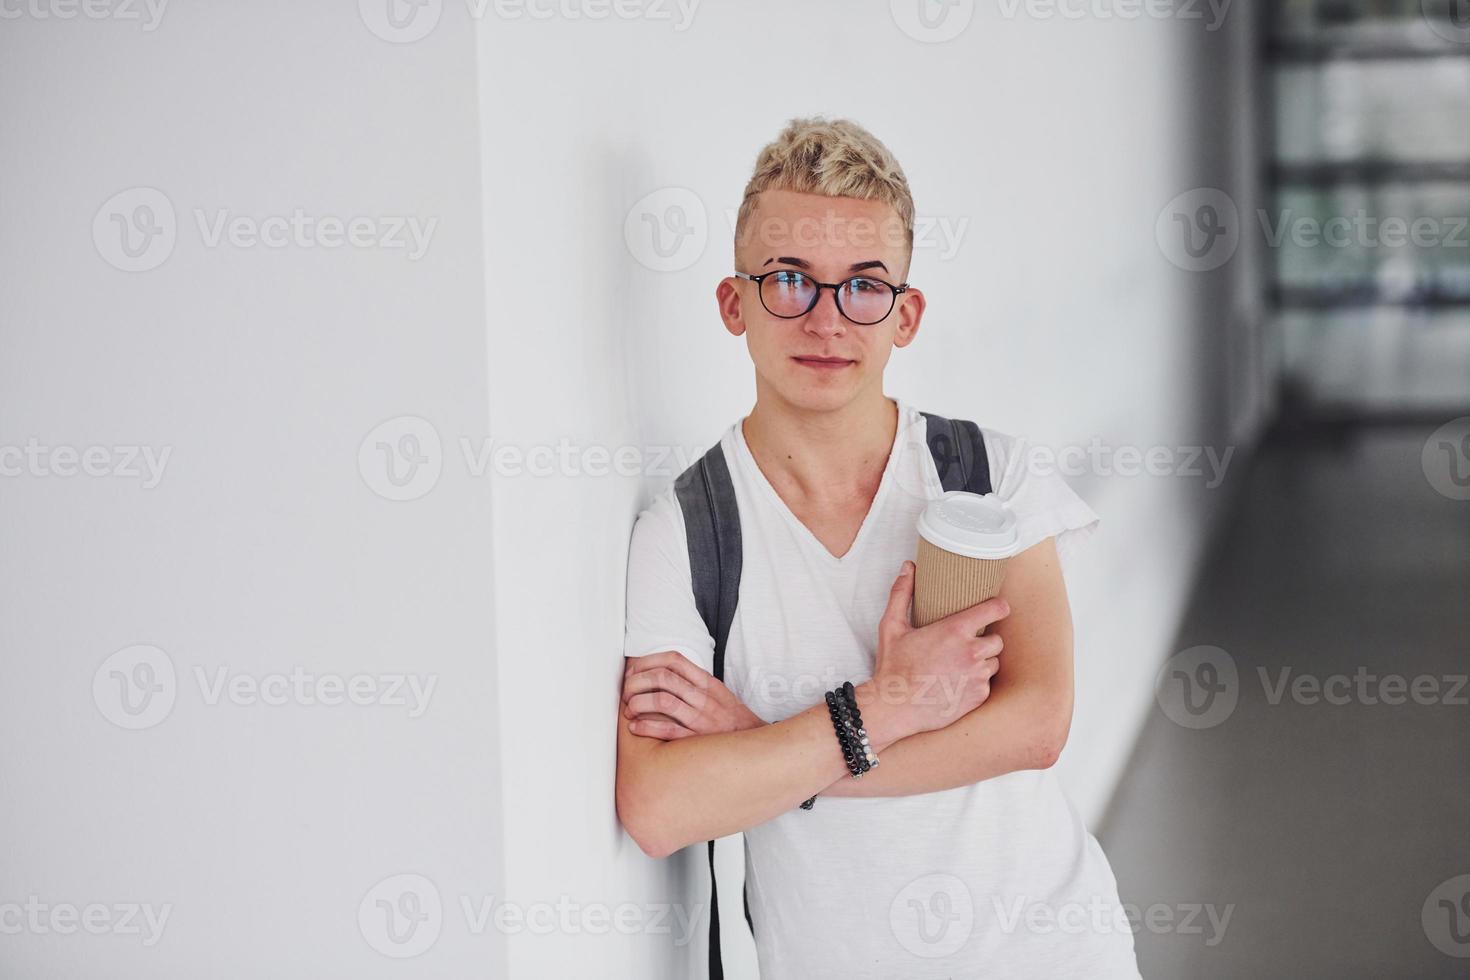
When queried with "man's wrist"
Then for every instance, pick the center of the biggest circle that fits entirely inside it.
(884, 719)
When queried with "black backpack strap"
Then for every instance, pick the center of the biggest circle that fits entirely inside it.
(712, 527)
(958, 448)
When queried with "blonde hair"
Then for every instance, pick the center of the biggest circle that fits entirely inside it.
(836, 158)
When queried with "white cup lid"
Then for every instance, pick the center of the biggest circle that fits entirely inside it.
(970, 524)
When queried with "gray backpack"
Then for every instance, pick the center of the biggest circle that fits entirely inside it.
(712, 526)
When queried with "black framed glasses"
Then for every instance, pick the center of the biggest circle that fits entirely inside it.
(788, 294)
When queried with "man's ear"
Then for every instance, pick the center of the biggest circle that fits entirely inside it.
(727, 298)
(910, 312)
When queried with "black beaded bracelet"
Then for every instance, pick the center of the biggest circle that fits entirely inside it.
(848, 737)
(847, 722)
(856, 751)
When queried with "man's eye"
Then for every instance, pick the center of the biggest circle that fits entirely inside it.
(789, 278)
(865, 285)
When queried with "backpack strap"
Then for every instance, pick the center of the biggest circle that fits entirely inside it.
(958, 448)
(712, 527)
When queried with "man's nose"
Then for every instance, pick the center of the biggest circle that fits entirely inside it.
(825, 319)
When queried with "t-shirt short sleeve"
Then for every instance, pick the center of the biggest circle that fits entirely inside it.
(1044, 504)
(661, 614)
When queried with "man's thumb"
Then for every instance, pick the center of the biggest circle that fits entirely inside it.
(900, 596)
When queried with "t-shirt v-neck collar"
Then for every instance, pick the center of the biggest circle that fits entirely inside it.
(753, 470)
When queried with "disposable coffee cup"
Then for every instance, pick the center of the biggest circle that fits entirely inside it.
(965, 541)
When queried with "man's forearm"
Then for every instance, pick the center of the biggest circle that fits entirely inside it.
(708, 786)
(1009, 732)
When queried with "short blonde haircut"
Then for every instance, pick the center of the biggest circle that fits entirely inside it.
(836, 158)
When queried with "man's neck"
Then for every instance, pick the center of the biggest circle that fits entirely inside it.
(826, 456)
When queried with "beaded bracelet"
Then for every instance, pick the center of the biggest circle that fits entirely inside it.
(842, 705)
(847, 722)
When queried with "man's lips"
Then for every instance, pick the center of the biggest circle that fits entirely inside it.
(823, 363)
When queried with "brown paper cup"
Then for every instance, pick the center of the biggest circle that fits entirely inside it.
(945, 582)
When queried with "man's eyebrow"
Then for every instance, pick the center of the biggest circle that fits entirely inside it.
(804, 264)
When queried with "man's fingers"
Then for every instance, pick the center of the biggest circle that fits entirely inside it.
(657, 725)
(977, 617)
(986, 647)
(664, 679)
(672, 660)
(664, 703)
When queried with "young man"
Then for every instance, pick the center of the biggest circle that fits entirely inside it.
(959, 855)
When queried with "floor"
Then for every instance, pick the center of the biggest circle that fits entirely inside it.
(1331, 833)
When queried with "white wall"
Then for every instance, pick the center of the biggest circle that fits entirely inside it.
(263, 548)
(1056, 143)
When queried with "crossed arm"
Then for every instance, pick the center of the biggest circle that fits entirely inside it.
(672, 792)
(1025, 721)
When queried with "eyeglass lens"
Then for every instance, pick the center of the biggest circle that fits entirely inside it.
(861, 299)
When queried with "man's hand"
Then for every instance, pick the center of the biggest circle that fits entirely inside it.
(666, 696)
(940, 672)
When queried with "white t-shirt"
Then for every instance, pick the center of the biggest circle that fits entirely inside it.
(996, 879)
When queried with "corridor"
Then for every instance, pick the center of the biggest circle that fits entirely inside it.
(1320, 814)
